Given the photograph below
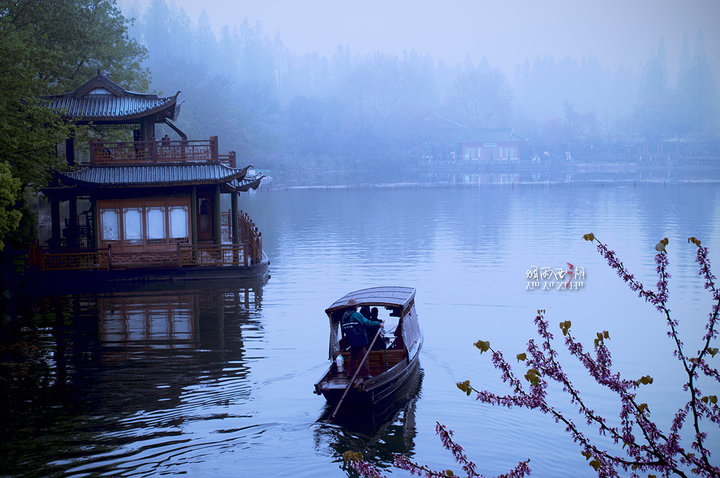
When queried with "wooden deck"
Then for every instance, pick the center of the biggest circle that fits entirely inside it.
(213, 255)
(246, 253)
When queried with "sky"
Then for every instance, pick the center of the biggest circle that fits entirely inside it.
(506, 32)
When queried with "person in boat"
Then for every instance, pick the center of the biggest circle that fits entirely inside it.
(371, 330)
(354, 326)
(365, 311)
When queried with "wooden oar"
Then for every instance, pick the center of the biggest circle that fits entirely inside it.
(357, 370)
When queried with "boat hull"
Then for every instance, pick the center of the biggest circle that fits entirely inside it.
(367, 393)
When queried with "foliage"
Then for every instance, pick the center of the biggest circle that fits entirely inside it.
(28, 132)
(480, 98)
(9, 187)
(52, 47)
(646, 446)
(75, 38)
(379, 113)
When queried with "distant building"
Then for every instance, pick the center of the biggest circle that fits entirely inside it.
(491, 145)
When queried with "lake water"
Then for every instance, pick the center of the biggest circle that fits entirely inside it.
(217, 379)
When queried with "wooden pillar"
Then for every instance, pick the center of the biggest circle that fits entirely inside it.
(55, 222)
(193, 216)
(148, 130)
(234, 225)
(234, 217)
(70, 151)
(72, 232)
(95, 223)
(217, 236)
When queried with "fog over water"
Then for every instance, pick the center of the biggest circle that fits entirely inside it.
(314, 87)
(505, 33)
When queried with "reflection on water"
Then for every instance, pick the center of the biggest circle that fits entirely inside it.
(379, 434)
(218, 381)
(120, 375)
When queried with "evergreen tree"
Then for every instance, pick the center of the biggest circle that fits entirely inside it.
(51, 47)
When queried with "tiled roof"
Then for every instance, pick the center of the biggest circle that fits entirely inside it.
(164, 175)
(101, 100)
(246, 183)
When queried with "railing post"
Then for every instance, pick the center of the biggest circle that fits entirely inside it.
(93, 151)
(233, 159)
(217, 232)
(109, 253)
(214, 148)
(54, 241)
(259, 259)
(179, 260)
(153, 150)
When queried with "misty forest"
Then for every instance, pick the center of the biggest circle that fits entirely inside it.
(302, 115)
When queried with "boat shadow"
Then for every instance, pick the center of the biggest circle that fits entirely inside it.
(377, 433)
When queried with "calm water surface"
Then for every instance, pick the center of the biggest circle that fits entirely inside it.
(217, 379)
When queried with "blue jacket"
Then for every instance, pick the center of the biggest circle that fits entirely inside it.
(353, 325)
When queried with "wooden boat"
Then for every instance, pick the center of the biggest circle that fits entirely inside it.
(391, 364)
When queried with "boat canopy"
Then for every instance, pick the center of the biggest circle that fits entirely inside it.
(399, 299)
(386, 296)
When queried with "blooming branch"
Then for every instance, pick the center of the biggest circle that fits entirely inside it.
(645, 446)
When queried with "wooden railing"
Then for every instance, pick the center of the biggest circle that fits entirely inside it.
(116, 153)
(99, 260)
(185, 255)
(213, 255)
(248, 233)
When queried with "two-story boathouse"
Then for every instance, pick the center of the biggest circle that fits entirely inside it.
(145, 209)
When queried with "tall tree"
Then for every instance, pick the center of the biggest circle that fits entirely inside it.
(696, 95)
(51, 46)
(652, 115)
(481, 98)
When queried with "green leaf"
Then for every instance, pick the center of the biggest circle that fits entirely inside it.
(483, 345)
(465, 387)
(647, 379)
(589, 237)
(522, 357)
(533, 376)
(712, 351)
(565, 327)
(694, 240)
(660, 246)
(595, 464)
